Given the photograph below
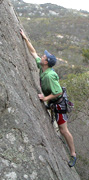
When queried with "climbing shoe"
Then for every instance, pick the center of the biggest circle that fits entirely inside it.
(72, 161)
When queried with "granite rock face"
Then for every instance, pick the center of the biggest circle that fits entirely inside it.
(29, 146)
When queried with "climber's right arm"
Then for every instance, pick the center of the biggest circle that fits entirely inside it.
(29, 45)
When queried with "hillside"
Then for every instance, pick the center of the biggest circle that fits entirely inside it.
(64, 32)
(78, 92)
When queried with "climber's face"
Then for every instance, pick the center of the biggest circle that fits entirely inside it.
(44, 60)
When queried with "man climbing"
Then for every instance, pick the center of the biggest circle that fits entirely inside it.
(52, 92)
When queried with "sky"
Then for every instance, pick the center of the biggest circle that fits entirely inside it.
(74, 4)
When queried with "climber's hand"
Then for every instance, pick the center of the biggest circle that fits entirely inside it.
(42, 97)
(23, 34)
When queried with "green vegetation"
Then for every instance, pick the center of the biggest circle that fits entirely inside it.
(85, 53)
(64, 70)
(77, 88)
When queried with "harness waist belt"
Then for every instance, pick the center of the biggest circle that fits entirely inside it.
(61, 111)
(59, 100)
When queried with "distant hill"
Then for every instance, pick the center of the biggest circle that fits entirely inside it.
(64, 32)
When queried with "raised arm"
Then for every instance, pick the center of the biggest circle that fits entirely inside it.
(29, 45)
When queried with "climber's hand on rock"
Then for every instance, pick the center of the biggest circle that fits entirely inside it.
(42, 97)
(23, 34)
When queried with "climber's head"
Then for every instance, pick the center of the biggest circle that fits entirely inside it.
(49, 59)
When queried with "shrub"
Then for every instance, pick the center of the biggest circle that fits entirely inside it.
(77, 88)
(85, 53)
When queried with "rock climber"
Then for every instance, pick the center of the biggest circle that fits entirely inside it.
(52, 91)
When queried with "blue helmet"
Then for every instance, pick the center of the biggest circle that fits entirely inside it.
(50, 58)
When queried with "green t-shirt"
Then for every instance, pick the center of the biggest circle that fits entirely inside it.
(49, 80)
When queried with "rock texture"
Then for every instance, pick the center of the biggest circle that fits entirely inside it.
(29, 147)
